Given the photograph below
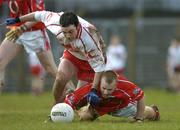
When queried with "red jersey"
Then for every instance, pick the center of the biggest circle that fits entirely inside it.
(22, 7)
(125, 92)
(1, 1)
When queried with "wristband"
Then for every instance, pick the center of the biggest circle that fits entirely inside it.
(24, 28)
(17, 19)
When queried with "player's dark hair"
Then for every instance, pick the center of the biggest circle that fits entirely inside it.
(109, 76)
(68, 18)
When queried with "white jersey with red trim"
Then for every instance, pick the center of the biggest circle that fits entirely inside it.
(86, 46)
(116, 57)
(174, 56)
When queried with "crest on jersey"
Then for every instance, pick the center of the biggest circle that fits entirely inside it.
(136, 91)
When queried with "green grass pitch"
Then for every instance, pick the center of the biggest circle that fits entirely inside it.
(26, 112)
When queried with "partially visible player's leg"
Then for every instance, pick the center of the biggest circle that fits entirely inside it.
(37, 74)
(69, 88)
(8, 50)
(81, 83)
(65, 72)
(47, 61)
(37, 85)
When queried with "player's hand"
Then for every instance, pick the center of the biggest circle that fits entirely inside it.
(136, 120)
(11, 21)
(13, 34)
(92, 97)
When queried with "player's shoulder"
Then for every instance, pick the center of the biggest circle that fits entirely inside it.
(123, 80)
(92, 29)
(50, 13)
(87, 25)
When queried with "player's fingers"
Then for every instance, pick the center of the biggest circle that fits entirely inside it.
(14, 39)
(13, 35)
(9, 38)
(9, 33)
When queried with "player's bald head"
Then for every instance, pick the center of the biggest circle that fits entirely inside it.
(108, 83)
(109, 76)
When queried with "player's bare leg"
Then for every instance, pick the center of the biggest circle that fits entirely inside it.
(69, 88)
(47, 61)
(66, 70)
(8, 50)
(37, 85)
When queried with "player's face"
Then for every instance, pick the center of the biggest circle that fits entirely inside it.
(70, 32)
(106, 88)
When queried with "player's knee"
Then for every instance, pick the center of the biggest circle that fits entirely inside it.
(61, 77)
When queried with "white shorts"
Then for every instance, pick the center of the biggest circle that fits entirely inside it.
(34, 41)
(129, 111)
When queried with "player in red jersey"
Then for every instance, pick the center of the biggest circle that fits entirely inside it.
(34, 39)
(118, 97)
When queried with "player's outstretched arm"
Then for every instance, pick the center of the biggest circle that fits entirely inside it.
(25, 18)
(140, 110)
(28, 17)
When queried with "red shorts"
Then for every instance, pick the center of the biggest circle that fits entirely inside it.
(85, 72)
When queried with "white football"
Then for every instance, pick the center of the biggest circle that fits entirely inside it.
(62, 112)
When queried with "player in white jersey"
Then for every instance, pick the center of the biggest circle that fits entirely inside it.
(173, 65)
(84, 50)
(116, 55)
